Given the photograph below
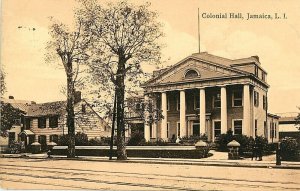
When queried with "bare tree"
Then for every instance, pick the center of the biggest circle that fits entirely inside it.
(2, 81)
(126, 36)
(71, 47)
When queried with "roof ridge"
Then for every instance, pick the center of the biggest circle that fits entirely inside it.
(212, 55)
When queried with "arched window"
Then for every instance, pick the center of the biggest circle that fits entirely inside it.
(191, 74)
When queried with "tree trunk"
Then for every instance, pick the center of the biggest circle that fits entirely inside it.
(113, 129)
(120, 91)
(70, 112)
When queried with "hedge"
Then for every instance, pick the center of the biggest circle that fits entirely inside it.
(138, 151)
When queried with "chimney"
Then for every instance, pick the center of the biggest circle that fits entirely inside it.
(11, 97)
(77, 97)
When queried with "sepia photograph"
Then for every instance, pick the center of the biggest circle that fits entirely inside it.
(150, 95)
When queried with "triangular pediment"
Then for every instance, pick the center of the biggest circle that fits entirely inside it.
(206, 70)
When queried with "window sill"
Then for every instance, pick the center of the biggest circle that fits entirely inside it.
(237, 106)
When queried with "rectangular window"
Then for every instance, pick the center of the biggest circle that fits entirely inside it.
(178, 129)
(217, 100)
(178, 103)
(168, 124)
(275, 131)
(42, 122)
(42, 140)
(256, 98)
(53, 122)
(264, 102)
(255, 130)
(168, 104)
(237, 99)
(237, 127)
(265, 129)
(17, 121)
(271, 130)
(196, 102)
(217, 129)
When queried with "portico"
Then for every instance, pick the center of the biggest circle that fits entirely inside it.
(195, 110)
(198, 97)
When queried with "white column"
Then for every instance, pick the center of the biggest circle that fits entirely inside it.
(182, 114)
(246, 113)
(147, 124)
(154, 124)
(252, 108)
(202, 111)
(223, 110)
(164, 120)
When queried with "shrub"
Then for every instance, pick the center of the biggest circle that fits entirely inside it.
(95, 142)
(98, 142)
(16, 147)
(246, 142)
(106, 140)
(159, 142)
(223, 140)
(136, 138)
(192, 140)
(290, 149)
(63, 140)
(263, 143)
(81, 139)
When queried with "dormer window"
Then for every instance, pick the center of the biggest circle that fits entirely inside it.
(191, 74)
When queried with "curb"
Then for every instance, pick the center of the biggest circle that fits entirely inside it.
(196, 163)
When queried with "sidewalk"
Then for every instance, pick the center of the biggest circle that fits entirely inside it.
(217, 159)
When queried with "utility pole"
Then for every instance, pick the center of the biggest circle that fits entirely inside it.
(199, 29)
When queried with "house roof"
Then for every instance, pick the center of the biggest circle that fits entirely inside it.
(226, 61)
(22, 105)
(27, 132)
(13, 101)
(273, 116)
(50, 108)
(33, 109)
(288, 117)
(231, 66)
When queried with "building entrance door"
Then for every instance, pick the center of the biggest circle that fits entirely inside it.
(196, 128)
(24, 138)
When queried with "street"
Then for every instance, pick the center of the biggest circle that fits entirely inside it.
(17, 173)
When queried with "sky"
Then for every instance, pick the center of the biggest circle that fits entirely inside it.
(24, 33)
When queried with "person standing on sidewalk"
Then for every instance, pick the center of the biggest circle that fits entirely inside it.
(254, 149)
(259, 146)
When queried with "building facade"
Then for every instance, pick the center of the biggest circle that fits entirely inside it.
(288, 125)
(46, 122)
(207, 94)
